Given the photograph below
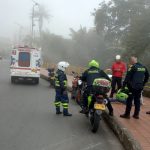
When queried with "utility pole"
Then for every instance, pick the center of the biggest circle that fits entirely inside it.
(19, 32)
(33, 19)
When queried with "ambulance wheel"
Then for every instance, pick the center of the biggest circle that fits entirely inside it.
(12, 80)
(37, 81)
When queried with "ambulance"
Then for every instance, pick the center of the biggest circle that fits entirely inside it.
(25, 64)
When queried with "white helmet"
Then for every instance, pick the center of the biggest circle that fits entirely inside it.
(62, 65)
(118, 57)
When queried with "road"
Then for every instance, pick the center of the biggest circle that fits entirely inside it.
(28, 121)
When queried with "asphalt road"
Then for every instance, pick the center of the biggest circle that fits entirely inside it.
(28, 121)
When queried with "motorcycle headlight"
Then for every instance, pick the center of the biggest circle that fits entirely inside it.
(79, 82)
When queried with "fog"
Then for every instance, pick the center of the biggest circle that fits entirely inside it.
(64, 14)
(78, 30)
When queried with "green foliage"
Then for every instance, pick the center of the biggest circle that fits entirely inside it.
(137, 41)
(83, 46)
(126, 24)
(113, 19)
(123, 27)
(41, 14)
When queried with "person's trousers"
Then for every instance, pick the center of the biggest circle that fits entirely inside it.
(61, 98)
(109, 106)
(115, 81)
(135, 94)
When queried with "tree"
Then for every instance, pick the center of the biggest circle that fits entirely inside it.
(113, 18)
(42, 14)
(137, 41)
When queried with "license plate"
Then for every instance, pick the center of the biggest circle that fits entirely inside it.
(99, 106)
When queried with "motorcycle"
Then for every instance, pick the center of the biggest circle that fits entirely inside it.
(51, 74)
(74, 85)
(79, 93)
(97, 102)
(77, 88)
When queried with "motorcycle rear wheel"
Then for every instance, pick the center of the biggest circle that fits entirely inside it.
(95, 123)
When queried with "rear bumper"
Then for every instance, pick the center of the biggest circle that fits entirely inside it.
(25, 76)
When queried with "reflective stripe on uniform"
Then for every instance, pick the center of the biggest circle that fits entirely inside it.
(57, 83)
(65, 105)
(57, 104)
(93, 71)
(141, 69)
(65, 83)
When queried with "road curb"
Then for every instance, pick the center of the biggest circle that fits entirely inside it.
(123, 134)
(43, 77)
(125, 137)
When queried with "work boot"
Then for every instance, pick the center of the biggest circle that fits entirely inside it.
(66, 113)
(136, 116)
(84, 111)
(69, 115)
(111, 113)
(58, 112)
(148, 112)
(126, 116)
(81, 111)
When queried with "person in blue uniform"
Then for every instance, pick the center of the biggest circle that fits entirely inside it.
(61, 89)
(136, 78)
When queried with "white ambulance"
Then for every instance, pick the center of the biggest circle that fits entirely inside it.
(25, 64)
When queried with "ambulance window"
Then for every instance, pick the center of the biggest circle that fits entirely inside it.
(24, 59)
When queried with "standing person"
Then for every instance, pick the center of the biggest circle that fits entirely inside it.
(89, 76)
(118, 70)
(61, 89)
(136, 78)
(51, 74)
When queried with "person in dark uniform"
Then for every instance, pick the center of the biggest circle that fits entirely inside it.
(89, 76)
(136, 78)
(61, 89)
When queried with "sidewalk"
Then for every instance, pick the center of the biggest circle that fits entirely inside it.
(140, 129)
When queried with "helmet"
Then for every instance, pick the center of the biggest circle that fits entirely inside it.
(62, 65)
(118, 57)
(122, 95)
(94, 63)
